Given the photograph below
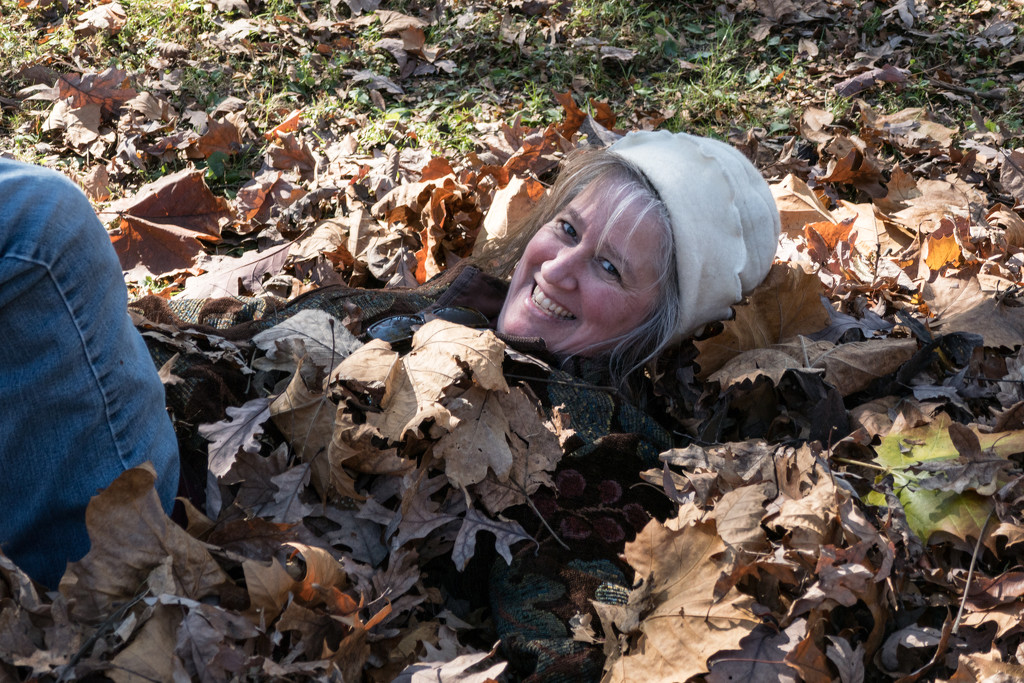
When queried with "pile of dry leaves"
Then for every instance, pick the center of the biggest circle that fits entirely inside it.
(849, 507)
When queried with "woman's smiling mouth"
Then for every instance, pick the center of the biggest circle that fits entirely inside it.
(549, 306)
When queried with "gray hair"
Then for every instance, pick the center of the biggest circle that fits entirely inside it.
(631, 351)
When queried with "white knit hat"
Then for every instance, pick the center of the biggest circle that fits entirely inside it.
(725, 225)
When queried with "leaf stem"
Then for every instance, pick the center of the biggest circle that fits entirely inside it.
(970, 572)
(846, 461)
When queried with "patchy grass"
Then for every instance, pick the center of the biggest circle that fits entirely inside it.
(693, 66)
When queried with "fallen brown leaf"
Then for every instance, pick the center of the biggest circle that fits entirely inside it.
(786, 304)
(131, 538)
(684, 625)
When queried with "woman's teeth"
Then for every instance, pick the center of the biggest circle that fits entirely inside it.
(549, 306)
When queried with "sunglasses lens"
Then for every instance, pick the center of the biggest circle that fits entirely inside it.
(462, 315)
(397, 328)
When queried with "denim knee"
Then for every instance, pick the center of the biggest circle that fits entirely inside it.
(82, 401)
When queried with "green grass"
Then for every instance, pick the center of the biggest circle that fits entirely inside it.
(700, 70)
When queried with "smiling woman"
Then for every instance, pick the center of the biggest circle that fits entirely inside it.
(581, 286)
(637, 247)
(634, 248)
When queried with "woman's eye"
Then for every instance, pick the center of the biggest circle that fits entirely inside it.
(569, 230)
(609, 268)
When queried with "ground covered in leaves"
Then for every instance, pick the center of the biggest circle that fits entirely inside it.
(849, 504)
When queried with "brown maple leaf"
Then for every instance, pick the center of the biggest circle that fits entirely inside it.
(685, 624)
(162, 225)
(108, 89)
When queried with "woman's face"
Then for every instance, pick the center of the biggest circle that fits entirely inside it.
(575, 292)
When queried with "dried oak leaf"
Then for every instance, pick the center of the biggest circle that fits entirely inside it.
(443, 354)
(162, 225)
(787, 304)
(238, 432)
(420, 515)
(536, 451)
(684, 625)
(848, 367)
(131, 537)
(478, 441)
(213, 643)
(505, 533)
(847, 660)
(737, 464)
(108, 89)
(314, 335)
(960, 305)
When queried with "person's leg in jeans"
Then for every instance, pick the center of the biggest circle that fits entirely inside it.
(80, 400)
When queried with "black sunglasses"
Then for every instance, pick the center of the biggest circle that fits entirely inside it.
(398, 329)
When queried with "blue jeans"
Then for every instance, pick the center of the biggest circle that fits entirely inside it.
(80, 400)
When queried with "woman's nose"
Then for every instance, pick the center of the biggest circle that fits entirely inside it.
(562, 269)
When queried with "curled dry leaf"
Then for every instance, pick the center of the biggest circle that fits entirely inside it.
(131, 537)
(798, 205)
(809, 520)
